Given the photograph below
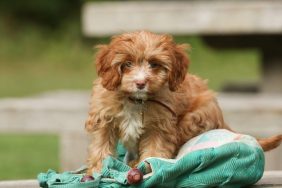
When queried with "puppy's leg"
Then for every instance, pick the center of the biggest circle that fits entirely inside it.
(158, 144)
(103, 145)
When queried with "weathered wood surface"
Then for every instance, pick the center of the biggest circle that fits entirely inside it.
(269, 179)
(66, 111)
(183, 17)
(19, 184)
(46, 113)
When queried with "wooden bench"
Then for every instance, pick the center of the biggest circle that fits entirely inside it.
(64, 114)
(222, 24)
(61, 113)
(269, 179)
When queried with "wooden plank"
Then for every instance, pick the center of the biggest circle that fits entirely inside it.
(269, 179)
(272, 69)
(258, 115)
(19, 184)
(48, 113)
(73, 150)
(66, 112)
(183, 17)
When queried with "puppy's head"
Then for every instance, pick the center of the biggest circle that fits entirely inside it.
(141, 63)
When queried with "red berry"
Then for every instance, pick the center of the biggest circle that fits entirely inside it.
(134, 176)
(86, 178)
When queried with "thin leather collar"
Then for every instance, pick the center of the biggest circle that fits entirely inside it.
(141, 101)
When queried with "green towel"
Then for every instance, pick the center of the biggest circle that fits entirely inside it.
(217, 158)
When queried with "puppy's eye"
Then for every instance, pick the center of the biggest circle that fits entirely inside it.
(126, 65)
(153, 65)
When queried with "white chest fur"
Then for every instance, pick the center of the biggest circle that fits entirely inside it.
(132, 125)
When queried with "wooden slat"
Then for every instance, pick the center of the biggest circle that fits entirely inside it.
(183, 17)
(269, 179)
(48, 113)
(19, 184)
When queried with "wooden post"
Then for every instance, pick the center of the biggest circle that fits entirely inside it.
(271, 52)
(73, 150)
(272, 70)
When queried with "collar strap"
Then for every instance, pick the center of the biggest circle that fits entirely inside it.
(140, 101)
(164, 105)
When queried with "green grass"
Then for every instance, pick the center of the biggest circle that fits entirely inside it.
(24, 156)
(34, 61)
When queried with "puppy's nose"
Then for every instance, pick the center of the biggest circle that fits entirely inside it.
(140, 84)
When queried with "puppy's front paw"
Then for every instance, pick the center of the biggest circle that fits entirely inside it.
(135, 163)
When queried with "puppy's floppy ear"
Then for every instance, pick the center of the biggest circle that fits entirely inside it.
(109, 73)
(179, 66)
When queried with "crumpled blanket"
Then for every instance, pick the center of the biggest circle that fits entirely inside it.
(217, 158)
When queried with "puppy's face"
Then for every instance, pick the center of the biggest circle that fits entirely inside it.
(142, 77)
(141, 63)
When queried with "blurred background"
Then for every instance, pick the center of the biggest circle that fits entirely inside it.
(44, 55)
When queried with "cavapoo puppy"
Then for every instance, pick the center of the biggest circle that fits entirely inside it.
(145, 99)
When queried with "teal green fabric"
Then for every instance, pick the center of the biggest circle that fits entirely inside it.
(51, 179)
(235, 163)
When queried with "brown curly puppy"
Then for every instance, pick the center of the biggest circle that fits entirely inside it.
(145, 98)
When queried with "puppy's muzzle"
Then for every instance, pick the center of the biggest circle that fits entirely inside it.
(140, 84)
